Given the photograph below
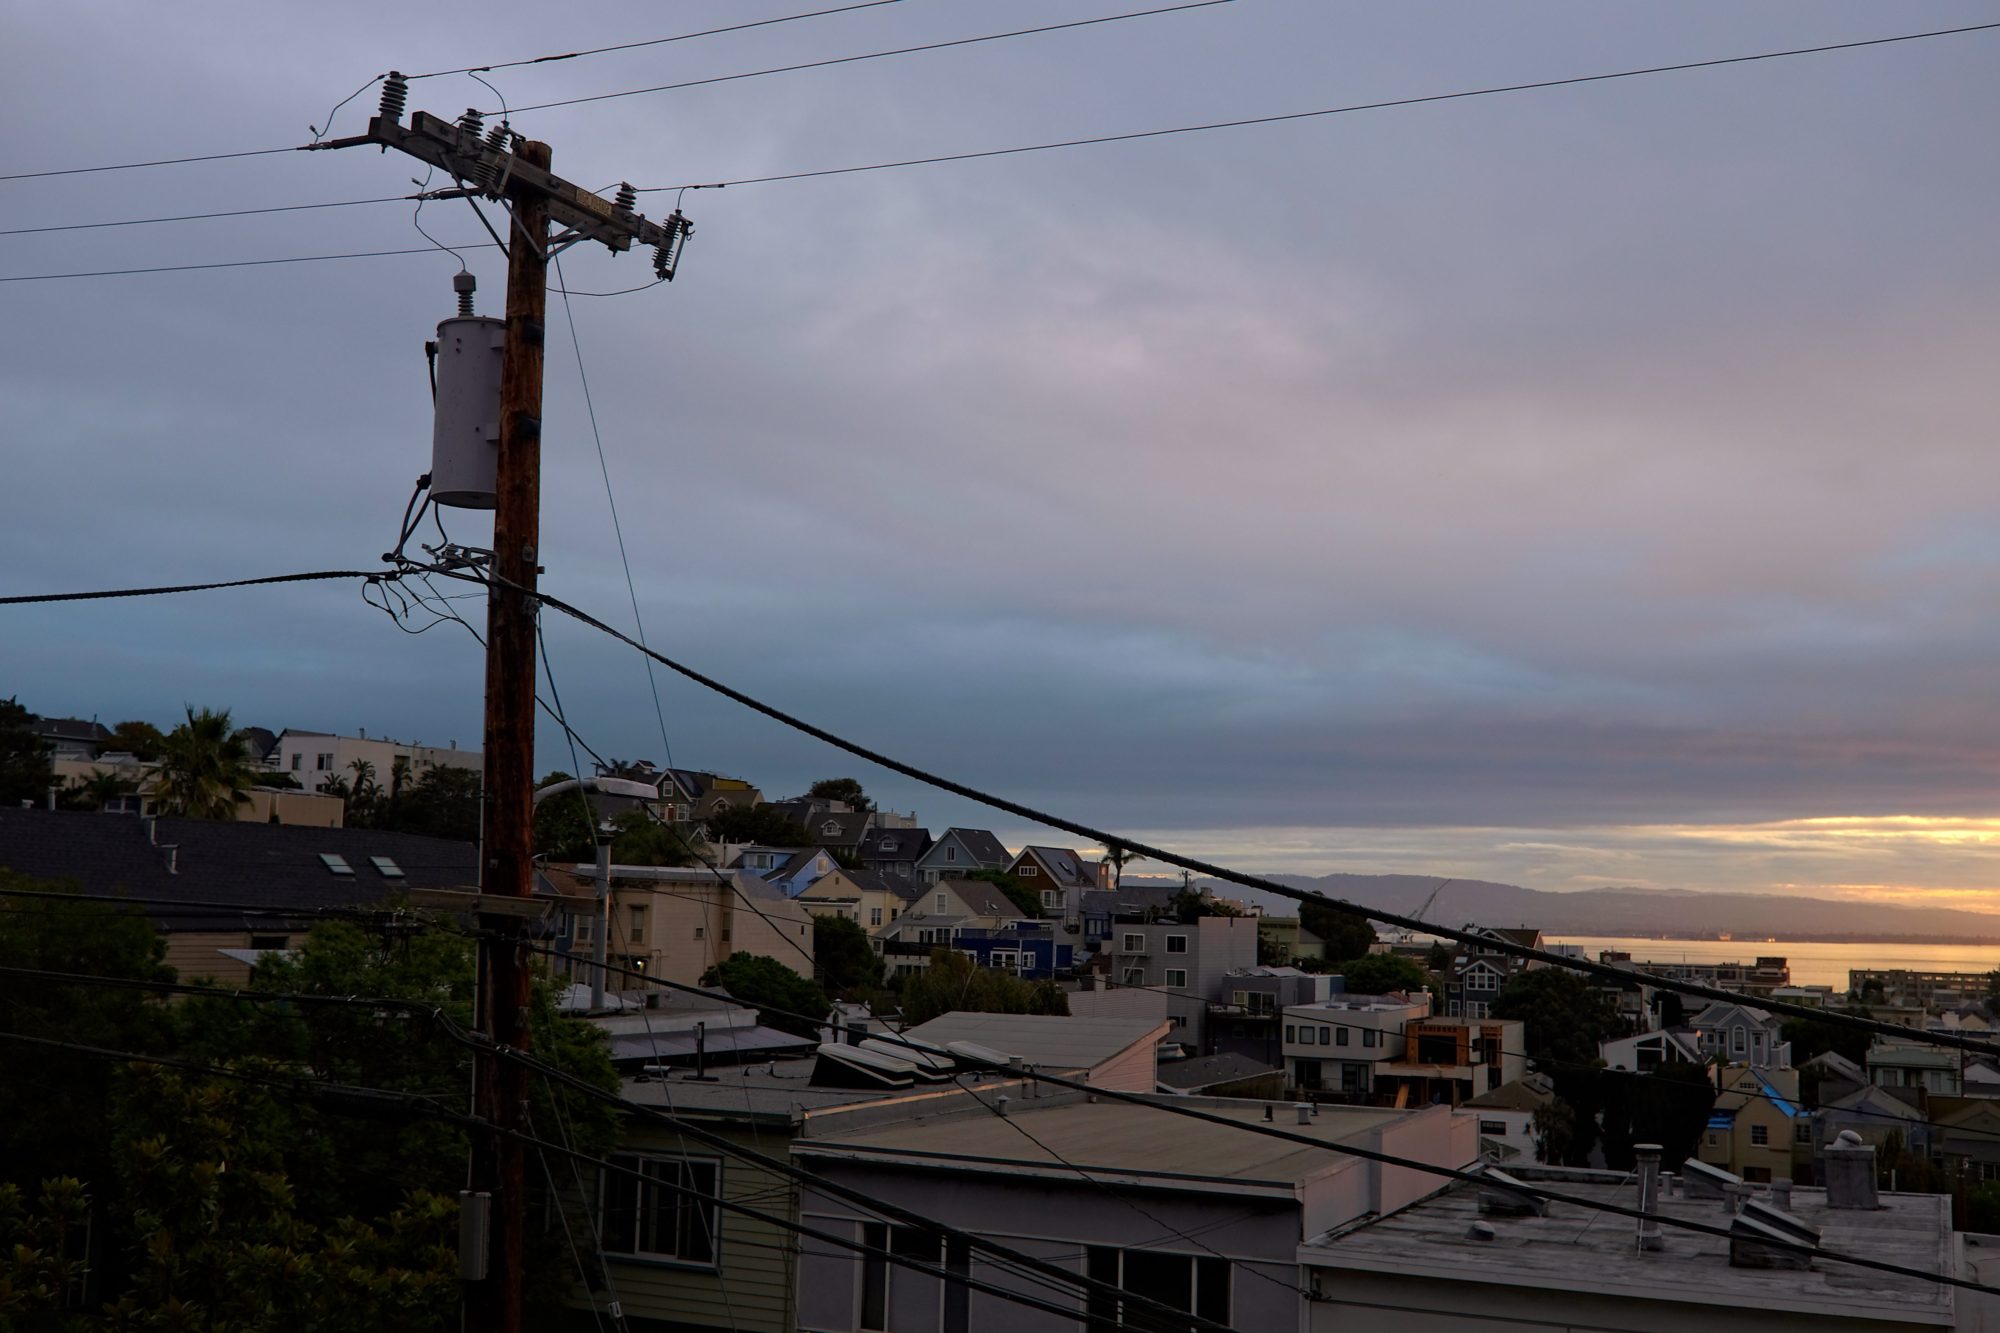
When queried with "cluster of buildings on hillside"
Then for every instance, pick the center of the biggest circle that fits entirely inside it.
(1361, 1220)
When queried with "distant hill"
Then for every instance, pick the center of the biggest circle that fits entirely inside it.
(1627, 911)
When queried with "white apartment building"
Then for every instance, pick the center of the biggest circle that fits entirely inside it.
(318, 757)
(1340, 1044)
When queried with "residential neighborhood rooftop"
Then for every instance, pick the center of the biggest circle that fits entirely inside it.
(1575, 1249)
(1050, 1041)
(1118, 1136)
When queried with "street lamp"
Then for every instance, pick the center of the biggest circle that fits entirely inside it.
(603, 786)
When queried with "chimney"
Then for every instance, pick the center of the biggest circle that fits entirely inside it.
(1850, 1172)
(1649, 1195)
(52, 798)
(1781, 1195)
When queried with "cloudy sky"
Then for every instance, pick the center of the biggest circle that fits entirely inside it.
(1582, 486)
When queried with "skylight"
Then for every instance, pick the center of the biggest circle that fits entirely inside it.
(336, 863)
(386, 867)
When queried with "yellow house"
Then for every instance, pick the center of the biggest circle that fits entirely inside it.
(868, 897)
(1754, 1122)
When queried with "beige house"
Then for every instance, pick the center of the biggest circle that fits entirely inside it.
(676, 922)
(866, 897)
(1756, 1118)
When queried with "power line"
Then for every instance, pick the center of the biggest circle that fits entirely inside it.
(201, 217)
(1328, 111)
(652, 41)
(316, 576)
(379, 1098)
(1273, 1131)
(156, 162)
(1496, 943)
(871, 55)
(1022, 1263)
(237, 263)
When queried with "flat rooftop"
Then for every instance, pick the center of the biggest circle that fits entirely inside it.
(1137, 1141)
(1567, 1251)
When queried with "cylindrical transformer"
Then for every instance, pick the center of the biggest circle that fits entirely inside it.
(465, 432)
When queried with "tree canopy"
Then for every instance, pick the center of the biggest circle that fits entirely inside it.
(954, 983)
(205, 770)
(1565, 1014)
(845, 790)
(761, 824)
(844, 957)
(1018, 893)
(774, 988)
(25, 771)
(1347, 934)
(1380, 973)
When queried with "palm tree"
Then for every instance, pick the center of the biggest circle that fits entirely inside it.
(100, 789)
(204, 768)
(1118, 854)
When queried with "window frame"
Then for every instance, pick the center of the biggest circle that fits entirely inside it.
(1177, 944)
(1179, 972)
(681, 1211)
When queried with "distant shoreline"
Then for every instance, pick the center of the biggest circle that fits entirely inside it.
(1711, 937)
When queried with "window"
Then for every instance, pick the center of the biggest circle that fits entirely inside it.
(1196, 1283)
(874, 916)
(1050, 898)
(1760, 1136)
(269, 941)
(1326, 1035)
(699, 932)
(1263, 1002)
(323, 763)
(1291, 1034)
(298, 760)
(1353, 1077)
(635, 924)
(659, 1217)
(1370, 1037)
(1308, 1036)
(1493, 1129)
(1176, 944)
(1802, 1132)
(1481, 979)
(1177, 977)
(879, 1271)
(1340, 1036)
(951, 853)
(1135, 976)
(1737, 1041)
(943, 902)
(1027, 871)
(583, 930)
(1134, 944)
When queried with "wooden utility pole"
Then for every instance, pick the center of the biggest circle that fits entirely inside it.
(507, 800)
(498, 165)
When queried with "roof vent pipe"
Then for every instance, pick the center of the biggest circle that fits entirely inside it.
(173, 852)
(1304, 1112)
(152, 823)
(1781, 1194)
(1000, 1104)
(1649, 1195)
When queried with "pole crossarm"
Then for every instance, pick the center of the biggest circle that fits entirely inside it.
(486, 162)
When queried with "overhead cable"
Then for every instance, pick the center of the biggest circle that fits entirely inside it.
(201, 217)
(870, 55)
(1327, 111)
(651, 41)
(236, 263)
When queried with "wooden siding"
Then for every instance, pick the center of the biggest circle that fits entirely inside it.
(751, 1289)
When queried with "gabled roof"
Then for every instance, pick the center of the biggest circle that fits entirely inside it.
(895, 844)
(70, 729)
(837, 830)
(1049, 1040)
(1065, 866)
(979, 843)
(983, 898)
(881, 881)
(794, 863)
(1529, 1093)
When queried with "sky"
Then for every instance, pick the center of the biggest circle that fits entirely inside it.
(1582, 486)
